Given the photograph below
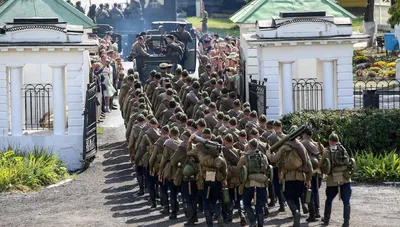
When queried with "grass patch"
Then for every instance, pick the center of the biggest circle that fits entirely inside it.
(26, 171)
(358, 24)
(221, 26)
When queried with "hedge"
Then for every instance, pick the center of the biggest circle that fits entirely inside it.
(358, 129)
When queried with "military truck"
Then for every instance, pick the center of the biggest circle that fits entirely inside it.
(144, 65)
(148, 12)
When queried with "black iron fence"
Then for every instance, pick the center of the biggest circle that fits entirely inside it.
(37, 106)
(307, 94)
(258, 96)
(377, 93)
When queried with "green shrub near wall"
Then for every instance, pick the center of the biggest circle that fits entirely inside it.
(359, 129)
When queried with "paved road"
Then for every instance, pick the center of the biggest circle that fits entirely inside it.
(103, 195)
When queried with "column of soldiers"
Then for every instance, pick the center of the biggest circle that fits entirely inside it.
(197, 140)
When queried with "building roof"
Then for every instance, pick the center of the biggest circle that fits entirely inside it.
(43, 8)
(266, 9)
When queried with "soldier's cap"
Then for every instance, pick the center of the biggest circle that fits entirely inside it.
(209, 65)
(220, 82)
(253, 114)
(201, 122)
(196, 85)
(204, 94)
(212, 105)
(270, 123)
(185, 135)
(253, 143)
(153, 121)
(178, 115)
(262, 118)
(142, 100)
(170, 65)
(247, 110)
(307, 132)
(204, 58)
(170, 91)
(218, 139)
(182, 23)
(236, 103)
(233, 121)
(169, 36)
(246, 104)
(220, 116)
(140, 37)
(178, 109)
(334, 137)
(207, 131)
(140, 118)
(143, 33)
(138, 92)
(163, 65)
(165, 129)
(150, 116)
(277, 123)
(254, 132)
(142, 106)
(228, 138)
(172, 104)
(213, 81)
(145, 113)
(227, 118)
(224, 90)
(232, 94)
(243, 133)
(174, 130)
(183, 118)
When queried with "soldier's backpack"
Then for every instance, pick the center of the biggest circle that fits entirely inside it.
(292, 160)
(256, 163)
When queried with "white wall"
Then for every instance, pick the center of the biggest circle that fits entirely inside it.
(68, 146)
(271, 56)
(381, 13)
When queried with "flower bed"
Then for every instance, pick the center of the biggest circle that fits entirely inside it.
(365, 67)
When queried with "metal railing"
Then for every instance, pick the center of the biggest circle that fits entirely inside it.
(37, 106)
(377, 93)
(258, 96)
(307, 94)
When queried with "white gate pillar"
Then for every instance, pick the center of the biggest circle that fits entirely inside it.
(58, 99)
(287, 87)
(16, 99)
(328, 83)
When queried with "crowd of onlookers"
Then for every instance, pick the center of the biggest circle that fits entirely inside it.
(107, 72)
(132, 10)
(219, 58)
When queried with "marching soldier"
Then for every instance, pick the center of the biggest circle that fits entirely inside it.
(191, 99)
(241, 144)
(168, 171)
(210, 118)
(236, 111)
(246, 118)
(164, 103)
(134, 135)
(337, 164)
(255, 181)
(314, 150)
(220, 119)
(296, 172)
(269, 131)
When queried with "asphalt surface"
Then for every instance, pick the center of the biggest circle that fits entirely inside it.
(103, 195)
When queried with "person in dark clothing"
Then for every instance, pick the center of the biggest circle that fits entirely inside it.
(92, 12)
(79, 7)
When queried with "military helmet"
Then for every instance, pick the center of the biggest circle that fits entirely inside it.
(188, 171)
(243, 174)
(326, 166)
(334, 137)
(314, 161)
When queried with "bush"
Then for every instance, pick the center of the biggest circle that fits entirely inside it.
(391, 65)
(29, 170)
(375, 69)
(372, 74)
(358, 129)
(376, 168)
(380, 64)
(360, 59)
(391, 73)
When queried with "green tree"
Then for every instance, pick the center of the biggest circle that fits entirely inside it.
(394, 12)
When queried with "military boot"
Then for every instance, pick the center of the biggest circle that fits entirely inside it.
(165, 203)
(266, 211)
(208, 218)
(190, 216)
(260, 220)
(346, 216)
(311, 217)
(304, 208)
(251, 216)
(327, 214)
(141, 185)
(243, 221)
(295, 213)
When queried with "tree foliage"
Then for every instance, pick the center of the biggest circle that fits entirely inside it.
(394, 12)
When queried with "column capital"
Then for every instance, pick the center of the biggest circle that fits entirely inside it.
(327, 59)
(15, 66)
(57, 65)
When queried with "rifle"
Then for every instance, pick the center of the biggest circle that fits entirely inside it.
(289, 137)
